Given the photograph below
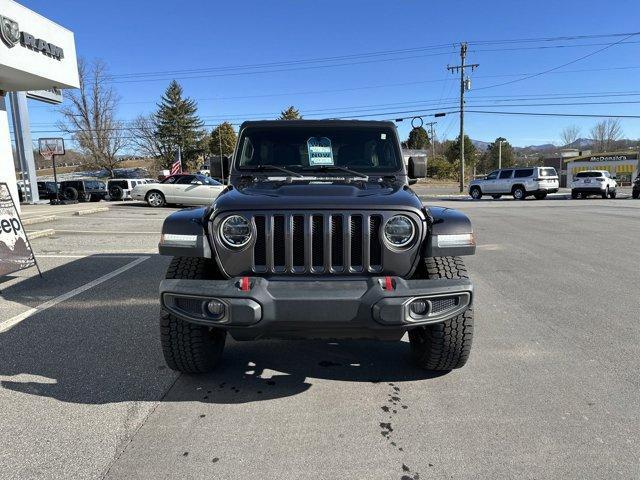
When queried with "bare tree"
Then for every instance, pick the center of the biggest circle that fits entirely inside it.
(604, 134)
(569, 135)
(90, 117)
(145, 139)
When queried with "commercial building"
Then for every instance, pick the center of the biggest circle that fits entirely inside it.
(623, 165)
(35, 54)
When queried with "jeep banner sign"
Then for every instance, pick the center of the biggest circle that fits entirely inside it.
(15, 249)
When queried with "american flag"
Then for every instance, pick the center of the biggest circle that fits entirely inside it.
(176, 167)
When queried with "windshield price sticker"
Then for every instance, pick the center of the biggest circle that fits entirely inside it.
(320, 152)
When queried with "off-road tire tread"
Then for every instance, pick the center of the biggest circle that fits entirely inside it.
(187, 347)
(445, 345)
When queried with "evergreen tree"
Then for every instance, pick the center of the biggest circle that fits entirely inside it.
(290, 113)
(490, 159)
(223, 135)
(177, 124)
(418, 139)
(452, 152)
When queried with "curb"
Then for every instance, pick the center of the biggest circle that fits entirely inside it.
(34, 220)
(90, 211)
(41, 233)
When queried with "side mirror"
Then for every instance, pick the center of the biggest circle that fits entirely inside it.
(417, 167)
(413, 181)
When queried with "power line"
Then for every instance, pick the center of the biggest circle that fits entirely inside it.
(366, 108)
(368, 55)
(561, 66)
(543, 114)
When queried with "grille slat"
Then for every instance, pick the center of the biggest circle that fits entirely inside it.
(375, 247)
(317, 242)
(337, 243)
(260, 249)
(279, 258)
(298, 241)
(355, 224)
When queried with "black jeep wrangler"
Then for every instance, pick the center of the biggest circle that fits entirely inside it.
(635, 189)
(83, 190)
(318, 235)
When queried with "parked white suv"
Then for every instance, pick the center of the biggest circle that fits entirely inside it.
(593, 182)
(517, 181)
(120, 188)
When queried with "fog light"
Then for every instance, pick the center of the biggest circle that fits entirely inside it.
(419, 307)
(216, 308)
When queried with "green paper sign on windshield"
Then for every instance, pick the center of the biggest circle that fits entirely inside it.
(320, 152)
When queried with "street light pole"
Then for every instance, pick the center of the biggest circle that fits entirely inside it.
(500, 153)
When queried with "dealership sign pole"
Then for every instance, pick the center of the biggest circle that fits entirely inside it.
(15, 249)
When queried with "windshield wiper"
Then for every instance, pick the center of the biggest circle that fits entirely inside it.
(324, 168)
(291, 173)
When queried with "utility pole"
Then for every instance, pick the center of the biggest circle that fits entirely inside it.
(433, 145)
(500, 153)
(464, 85)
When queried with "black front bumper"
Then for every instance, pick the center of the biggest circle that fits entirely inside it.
(316, 308)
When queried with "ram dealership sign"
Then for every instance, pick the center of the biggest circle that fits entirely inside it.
(35, 53)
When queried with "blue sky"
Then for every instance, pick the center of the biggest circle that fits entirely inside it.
(159, 36)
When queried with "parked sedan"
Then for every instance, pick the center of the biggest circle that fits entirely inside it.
(178, 189)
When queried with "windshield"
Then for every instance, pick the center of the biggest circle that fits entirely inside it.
(365, 149)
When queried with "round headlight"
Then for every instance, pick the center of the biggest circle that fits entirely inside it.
(235, 231)
(399, 231)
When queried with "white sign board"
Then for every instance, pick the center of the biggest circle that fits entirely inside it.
(15, 249)
(320, 151)
(35, 53)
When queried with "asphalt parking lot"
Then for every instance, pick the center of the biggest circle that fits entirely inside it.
(551, 389)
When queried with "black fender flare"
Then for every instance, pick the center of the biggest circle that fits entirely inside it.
(448, 221)
(184, 234)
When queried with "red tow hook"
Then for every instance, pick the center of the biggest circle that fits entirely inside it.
(245, 286)
(388, 284)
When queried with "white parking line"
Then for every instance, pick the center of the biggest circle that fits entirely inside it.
(12, 322)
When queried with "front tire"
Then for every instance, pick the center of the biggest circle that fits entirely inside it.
(155, 199)
(187, 347)
(445, 345)
(574, 194)
(475, 193)
(635, 194)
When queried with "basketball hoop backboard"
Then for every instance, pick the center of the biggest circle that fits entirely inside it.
(51, 146)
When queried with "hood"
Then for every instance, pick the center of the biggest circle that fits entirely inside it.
(309, 196)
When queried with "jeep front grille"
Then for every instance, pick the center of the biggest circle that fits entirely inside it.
(317, 243)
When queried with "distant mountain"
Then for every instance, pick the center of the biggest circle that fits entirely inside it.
(551, 149)
(480, 145)
(580, 143)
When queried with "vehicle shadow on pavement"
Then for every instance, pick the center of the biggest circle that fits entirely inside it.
(268, 369)
(103, 346)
